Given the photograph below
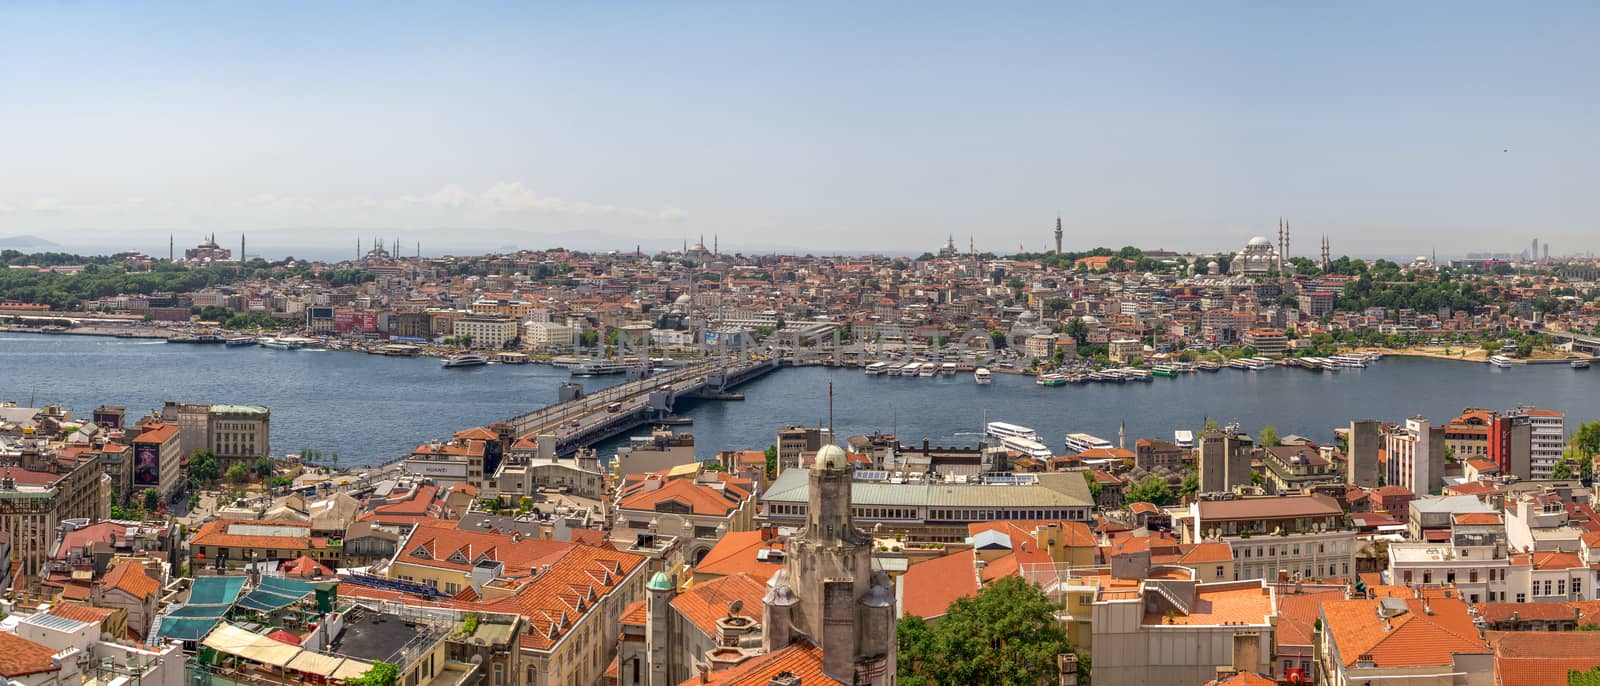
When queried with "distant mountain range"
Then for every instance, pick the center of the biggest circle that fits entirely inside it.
(27, 243)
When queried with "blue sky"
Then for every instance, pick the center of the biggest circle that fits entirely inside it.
(1395, 128)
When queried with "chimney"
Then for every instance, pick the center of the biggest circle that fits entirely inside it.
(784, 679)
(768, 532)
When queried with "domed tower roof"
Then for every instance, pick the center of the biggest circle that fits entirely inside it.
(659, 582)
(829, 457)
(1260, 242)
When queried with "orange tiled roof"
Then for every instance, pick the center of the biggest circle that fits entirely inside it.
(800, 658)
(927, 588)
(706, 602)
(635, 614)
(21, 657)
(702, 499)
(1230, 603)
(736, 554)
(131, 578)
(1538, 658)
(554, 601)
(459, 549)
(82, 613)
(217, 533)
(1413, 639)
(157, 433)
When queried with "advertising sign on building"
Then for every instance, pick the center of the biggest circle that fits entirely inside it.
(343, 321)
(366, 322)
(147, 464)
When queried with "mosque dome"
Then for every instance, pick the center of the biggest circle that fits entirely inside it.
(659, 582)
(684, 299)
(1028, 316)
(1260, 241)
(829, 457)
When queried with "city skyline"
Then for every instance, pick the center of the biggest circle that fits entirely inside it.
(831, 130)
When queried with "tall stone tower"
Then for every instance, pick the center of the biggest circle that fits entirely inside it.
(659, 646)
(829, 592)
(1058, 234)
(1324, 253)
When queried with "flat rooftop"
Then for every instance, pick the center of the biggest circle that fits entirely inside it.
(373, 636)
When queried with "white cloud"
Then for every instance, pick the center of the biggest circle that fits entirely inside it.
(448, 196)
(46, 204)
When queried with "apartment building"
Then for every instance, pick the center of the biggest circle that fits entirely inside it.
(1304, 535)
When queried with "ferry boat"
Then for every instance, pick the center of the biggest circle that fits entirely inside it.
(1002, 431)
(1077, 443)
(1183, 438)
(1051, 379)
(1580, 364)
(928, 369)
(911, 369)
(598, 368)
(278, 343)
(208, 338)
(1027, 446)
(465, 360)
(1500, 361)
(1210, 366)
(875, 369)
(982, 376)
(1163, 371)
(237, 341)
(1135, 374)
(947, 368)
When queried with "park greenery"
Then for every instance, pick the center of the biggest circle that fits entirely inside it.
(1006, 635)
(106, 276)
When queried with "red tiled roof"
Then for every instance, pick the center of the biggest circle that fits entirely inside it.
(702, 499)
(82, 613)
(21, 657)
(736, 554)
(1414, 639)
(218, 532)
(927, 588)
(157, 433)
(131, 578)
(706, 602)
(801, 659)
(1539, 658)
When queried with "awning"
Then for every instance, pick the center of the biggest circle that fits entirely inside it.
(316, 663)
(232, 640)
(351, 669)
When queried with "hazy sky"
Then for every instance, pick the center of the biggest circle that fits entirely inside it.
(1395, 128)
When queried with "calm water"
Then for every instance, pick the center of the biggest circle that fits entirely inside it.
(374, 409)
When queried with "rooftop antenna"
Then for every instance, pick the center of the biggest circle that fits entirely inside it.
(830, 412)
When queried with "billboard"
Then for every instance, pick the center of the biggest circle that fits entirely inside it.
(343, 321)
(147, 464)
(367, 322)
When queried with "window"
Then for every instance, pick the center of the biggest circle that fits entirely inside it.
(1219, 571)
(1522, 598)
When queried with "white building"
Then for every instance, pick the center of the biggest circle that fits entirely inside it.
(1549, 440)
(1416, 456)
(546, 335)
(1303, 535)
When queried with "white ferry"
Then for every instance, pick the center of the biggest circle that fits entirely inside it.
(875, 369)
(1002, 430)
(1183, 438)
(1028, 447)
(598, 368)
(465, 360)
(928, 369)
(278, 343)
(982, 376)
(1500, 361)
(947, 368)
(911, 369)
(1077, 443)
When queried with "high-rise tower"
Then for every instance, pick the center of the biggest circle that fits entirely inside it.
(1058, 234)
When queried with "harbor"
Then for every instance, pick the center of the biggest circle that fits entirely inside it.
(373, 409)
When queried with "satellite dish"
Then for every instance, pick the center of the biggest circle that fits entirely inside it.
(734, 607)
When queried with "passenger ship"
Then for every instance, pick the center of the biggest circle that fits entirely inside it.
(1002, 431)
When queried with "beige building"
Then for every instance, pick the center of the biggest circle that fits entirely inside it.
(1041, 346)
(238, 434)
(1303, 535)
(1125, 350)
(34, 501)
(488, 331)
(157, 458)
(693, 504)
(1168, 629)
(546, 336)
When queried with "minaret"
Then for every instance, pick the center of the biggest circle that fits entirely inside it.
(172, 249)
(1122, 435)
(1324, 253)
(1058, 234)
(716, 245)
(241, 247)
(1281, 234)
(1283, 255)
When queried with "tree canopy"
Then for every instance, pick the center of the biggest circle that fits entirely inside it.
(1006, 635)
(1153, 490)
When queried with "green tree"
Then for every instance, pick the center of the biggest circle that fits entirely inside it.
(1586, 440)
(1269, 436)
(263, 467)
(997, 338)
(1077, 329)
(152, 499)
(772, 462)
(1094, 486)
(1563, 469)
(1153, 490)
(381, 674)
(203, 467)
(1006, 635)
(1577, 678)
(238, 474)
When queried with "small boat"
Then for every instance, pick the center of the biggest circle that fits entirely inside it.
(947, 368)
(982, 376)
(1211, 366)
(1500, 361)
(1051, 379)
(875, 369)
(237, 341)
(465, 360)
(1580, 364)
(278, 343)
